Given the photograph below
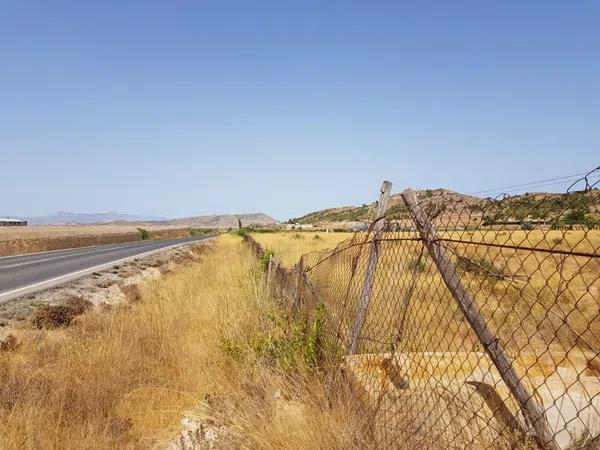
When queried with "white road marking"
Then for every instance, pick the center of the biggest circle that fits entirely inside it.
(55, 281)
(91, 251)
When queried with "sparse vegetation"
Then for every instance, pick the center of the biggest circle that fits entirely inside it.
(289, 249)
(201, 231)
(204, 342)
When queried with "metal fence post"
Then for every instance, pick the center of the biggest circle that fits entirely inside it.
(532, 410)
(365, 296)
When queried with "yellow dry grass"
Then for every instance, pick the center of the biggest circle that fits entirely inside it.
(289, 247)
(543, 306)
(124, 378)
(532, 298)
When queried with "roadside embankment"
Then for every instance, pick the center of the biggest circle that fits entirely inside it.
(200, 357)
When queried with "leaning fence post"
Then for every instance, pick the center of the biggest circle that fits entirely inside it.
(532, 410)
(365, 296)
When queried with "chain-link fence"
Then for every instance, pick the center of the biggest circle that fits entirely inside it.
(467, 323)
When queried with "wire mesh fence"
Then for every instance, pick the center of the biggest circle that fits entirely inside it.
(467, 323)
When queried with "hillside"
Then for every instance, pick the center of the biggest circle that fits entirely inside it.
(539, 205)
(366, 212)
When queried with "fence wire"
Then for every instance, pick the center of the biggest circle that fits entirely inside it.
(426, 377)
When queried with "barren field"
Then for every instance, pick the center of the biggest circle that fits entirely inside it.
(36, 232)
(289, 247)
(537, 290)
(22, 240)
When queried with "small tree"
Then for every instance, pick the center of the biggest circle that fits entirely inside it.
(590, 221)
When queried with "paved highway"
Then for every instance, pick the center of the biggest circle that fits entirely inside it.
(25, 274)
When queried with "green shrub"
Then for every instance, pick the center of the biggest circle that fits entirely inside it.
(479, 267)
(527, 226)
(200, 231)
(591, 222)
(418, 265)
(264, 261)
(314, 340)
(144, 233)
(242, 232)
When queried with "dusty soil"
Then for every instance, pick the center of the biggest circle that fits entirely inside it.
(107, 287)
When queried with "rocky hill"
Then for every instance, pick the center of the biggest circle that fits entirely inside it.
(540, 205)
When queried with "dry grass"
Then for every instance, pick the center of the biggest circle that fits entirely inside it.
(290, 246)
(543, 306)
(202, 342)
(528, 296)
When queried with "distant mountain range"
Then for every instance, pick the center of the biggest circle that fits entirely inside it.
(214, 221)
(114, 218)
(68, 218)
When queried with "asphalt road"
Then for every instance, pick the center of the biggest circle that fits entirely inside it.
(25, 274)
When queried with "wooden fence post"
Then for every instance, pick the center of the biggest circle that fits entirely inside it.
(269, 269)
(532, 410)
(299, 283)
(365, 296)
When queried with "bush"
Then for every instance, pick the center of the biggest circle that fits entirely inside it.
(288, 342)
(575, 216)
(200, 231)
(489, 221)
(591, 222)
(418, 265)
(58, 316)
(144, 233)
(264, 261)
(242, 232)
(480, 267)
(132, 293)
(527, 226)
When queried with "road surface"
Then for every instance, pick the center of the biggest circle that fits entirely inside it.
(25, 274)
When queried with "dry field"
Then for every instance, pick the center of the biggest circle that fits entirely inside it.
(289, 247)
(21, 240)
(203, 343)
(543, 306)
(36, 232)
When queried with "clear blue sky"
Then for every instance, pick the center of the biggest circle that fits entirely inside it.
(193, 107)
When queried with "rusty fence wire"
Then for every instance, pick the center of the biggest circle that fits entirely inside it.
(467, 323)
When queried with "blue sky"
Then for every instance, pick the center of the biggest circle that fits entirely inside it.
(181, 108)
